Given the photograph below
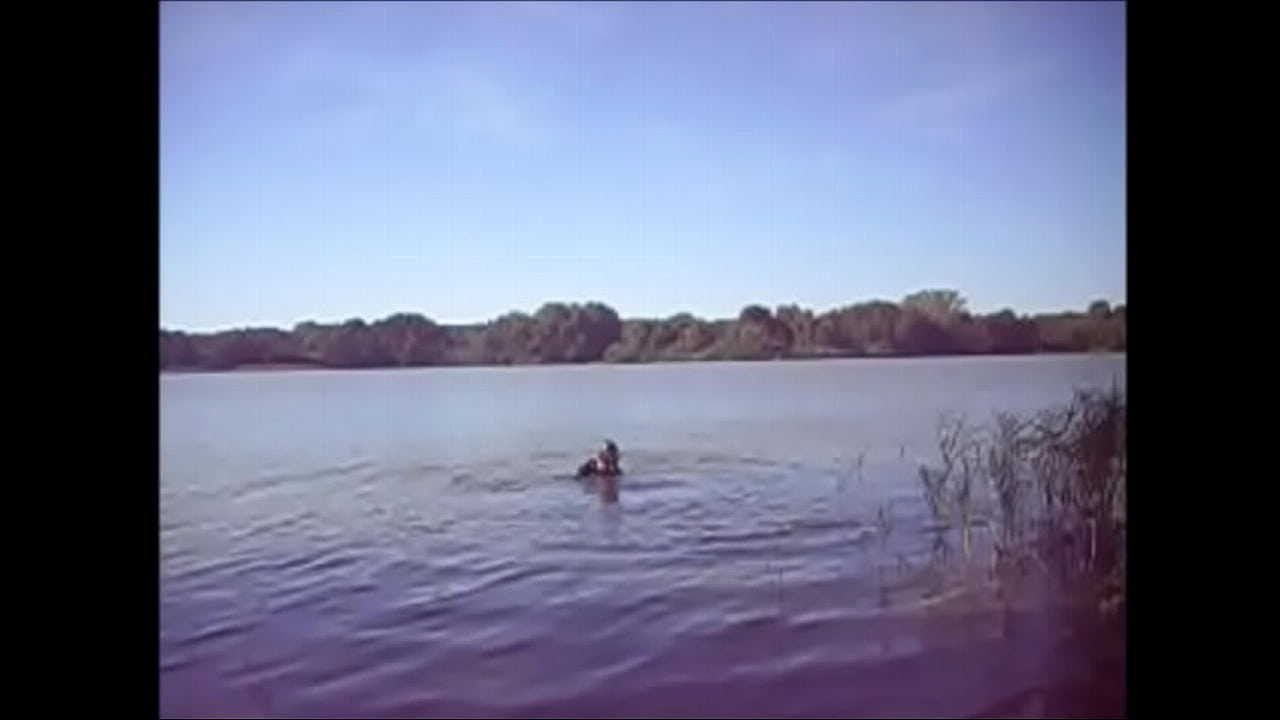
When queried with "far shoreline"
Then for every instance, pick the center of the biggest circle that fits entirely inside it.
(927, 323)
(273, 368)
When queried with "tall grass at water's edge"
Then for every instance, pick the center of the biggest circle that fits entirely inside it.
(1050, 486)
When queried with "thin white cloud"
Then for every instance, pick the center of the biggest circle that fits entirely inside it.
(192, 33)
(352, 95)
(593, 18)
(951, 62)
(846, 36)
(483, 105)
(543, 8)
(945, 109)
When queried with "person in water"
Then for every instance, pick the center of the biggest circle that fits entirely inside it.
(606, 463)
(609, 458)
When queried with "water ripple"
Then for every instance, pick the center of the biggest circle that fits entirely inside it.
(713, 585)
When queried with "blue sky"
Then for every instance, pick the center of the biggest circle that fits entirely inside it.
(331, 160)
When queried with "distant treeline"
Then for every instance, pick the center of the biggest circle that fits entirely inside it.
(930, 322)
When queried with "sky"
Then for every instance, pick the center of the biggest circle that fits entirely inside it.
(326, 161)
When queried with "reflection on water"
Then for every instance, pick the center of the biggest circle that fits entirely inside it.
(605, 487)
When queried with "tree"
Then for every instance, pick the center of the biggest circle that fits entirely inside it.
(1008, 333)
(177, 350)
(755, 314)
(926, 323)
(920, 334)
(870, 327)
(631, 346)
(409, 339)
(756, 335)
(800, 324)
(940, 306)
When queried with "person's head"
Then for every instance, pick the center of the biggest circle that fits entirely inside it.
(610, 447)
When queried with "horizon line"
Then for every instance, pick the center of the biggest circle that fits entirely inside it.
(1082, 308)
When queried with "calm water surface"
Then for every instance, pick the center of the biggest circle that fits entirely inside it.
(412, 544)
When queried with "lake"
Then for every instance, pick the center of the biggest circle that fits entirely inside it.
(412, 543)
